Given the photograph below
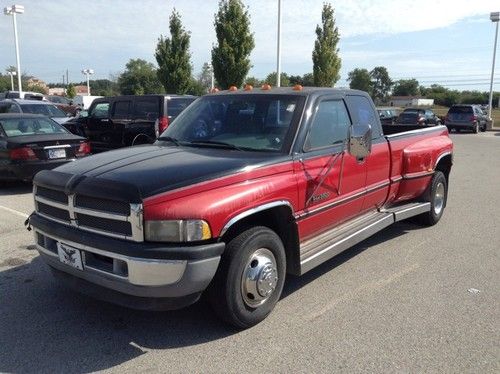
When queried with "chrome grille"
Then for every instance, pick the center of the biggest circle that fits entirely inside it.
(103, 216)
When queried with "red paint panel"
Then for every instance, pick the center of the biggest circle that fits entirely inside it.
(378, 165)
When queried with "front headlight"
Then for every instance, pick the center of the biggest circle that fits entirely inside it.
(177, 230)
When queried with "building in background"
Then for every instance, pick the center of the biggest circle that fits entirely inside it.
(405, 101)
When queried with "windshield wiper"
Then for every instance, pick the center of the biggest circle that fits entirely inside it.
(216, 143)
(169, 139)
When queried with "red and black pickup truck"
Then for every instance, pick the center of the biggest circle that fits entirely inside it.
(244, 187)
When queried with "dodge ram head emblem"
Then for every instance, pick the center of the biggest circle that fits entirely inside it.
(69, 255)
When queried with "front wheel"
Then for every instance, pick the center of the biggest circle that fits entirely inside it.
(475, 128)
(436, 194)
(250, 278)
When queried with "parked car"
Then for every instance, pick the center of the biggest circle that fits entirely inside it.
(33, 107)
(466, 117)
(30, 143)
(63, 103)
(28, 95)
(84, 101)
(388, 116)
(243, 188)
(121, 121)
(418, 116)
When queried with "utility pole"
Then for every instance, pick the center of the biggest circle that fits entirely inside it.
(278, 60)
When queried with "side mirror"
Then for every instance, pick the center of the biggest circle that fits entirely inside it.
(360, 140)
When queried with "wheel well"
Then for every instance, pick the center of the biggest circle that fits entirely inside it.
(279, 219)
(444, 165)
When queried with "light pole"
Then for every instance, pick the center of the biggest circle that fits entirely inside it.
(494, 17)
(12, 73)
(278, 47)
(12, 11)
(88, 72)
(211, 77)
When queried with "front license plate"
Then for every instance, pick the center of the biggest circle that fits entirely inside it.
(70, 256)
(57, 153)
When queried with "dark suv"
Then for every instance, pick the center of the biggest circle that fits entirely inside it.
(121, 121)
(466, 117)
(418, 116)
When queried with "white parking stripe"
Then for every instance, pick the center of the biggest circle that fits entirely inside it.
(14, 211)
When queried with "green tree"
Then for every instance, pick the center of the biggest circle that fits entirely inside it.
(173, 58)
(381, 84)
(359, 79)
(235, 42)
(196, 88)
(205, 77)
(406, 87)
(304, 80)
(254, 82)
(70, 91)
(139, 78)
(271, 79)
(326, 61)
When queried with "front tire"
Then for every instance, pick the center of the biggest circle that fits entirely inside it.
(250, 278)
(436, 194)
(475, 129)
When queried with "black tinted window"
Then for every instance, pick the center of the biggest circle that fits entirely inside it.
(460, 109)
(121, 109)
(147, 109)
(9, 108)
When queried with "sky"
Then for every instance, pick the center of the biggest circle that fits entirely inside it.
(448, 42)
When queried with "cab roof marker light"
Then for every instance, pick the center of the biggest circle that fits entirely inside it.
(265, 87)
(233, 88)
(248, 87)
(297, 87)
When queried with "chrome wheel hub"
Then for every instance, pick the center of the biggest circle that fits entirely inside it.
(439, 198)
(259, 278)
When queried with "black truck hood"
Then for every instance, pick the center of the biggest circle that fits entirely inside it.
(152, 169)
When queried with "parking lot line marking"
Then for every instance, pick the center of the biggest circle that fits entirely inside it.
(24, 215)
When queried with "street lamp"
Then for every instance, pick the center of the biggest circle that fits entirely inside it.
(12, 73)
(88, 72)
(278, 48)
(12, 11)
(494, 17)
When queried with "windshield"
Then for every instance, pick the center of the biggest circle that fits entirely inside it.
(30, 126)
(248, 122)
(45, 109)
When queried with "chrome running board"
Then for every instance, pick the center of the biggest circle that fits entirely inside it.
(329, 244)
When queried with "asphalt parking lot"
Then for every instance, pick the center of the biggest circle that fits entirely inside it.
(409, 299)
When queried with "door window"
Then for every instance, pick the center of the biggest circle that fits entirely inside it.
(329, 126)
(101, 110)
(147, 109)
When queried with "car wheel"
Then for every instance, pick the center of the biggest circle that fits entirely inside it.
(483, 128)
(475, 129)
(250, 278)
(436, 194)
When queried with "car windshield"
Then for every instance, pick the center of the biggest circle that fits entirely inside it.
(245, 122)
(30, 126)
(45, 109)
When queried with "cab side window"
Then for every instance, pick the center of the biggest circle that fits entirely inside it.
(364, 113)
(121, 110)
(101, 110)
(330, 125)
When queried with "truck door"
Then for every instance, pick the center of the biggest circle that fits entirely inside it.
(331, 182)
(121, 119)
(378, 162)
(99, 126)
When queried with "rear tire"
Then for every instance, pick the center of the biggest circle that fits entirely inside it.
(250, 278)
(436, 194)
(475, 129)
(483, 128)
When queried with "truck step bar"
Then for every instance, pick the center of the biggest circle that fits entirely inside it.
(329, 244)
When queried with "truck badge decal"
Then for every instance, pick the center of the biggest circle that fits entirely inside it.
(320, 197)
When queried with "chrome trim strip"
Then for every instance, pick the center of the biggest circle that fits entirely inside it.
(417, 175)
(396, 179)
(100, 214)
(254, 210)
(345, 243)
(342, 200)
(418, 131)
(57, 146)
(53, 203)
(53, 218)
(441, 156)
(141, 271)
(402, 214)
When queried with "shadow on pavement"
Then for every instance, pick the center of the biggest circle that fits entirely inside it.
(15, 188)
(48, 328)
